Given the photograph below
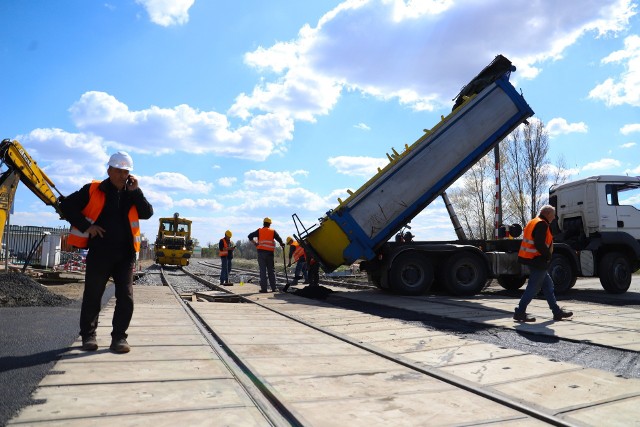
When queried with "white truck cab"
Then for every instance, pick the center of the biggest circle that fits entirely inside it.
(599, 219)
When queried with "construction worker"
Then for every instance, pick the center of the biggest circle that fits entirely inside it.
(535, 251)
(297, 253)
(264, 238)
(105, 219)
(226, 255)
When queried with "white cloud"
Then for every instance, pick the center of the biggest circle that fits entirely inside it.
(227, 181)
(357, 166)
(441, 41)
(558, 126)
(602, 164)
(630, 128)
(362, 126)
(167, 12)
(625, 89)
(162, 130)
(173, 182)
(628, 145)
(268, 179)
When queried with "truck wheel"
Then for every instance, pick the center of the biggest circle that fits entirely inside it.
(465, 274)
(512, 283)
(411, 274)
(615, 273)
(561, 274)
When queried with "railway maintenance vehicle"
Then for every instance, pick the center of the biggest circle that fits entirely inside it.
(594, 237)
(173, 245)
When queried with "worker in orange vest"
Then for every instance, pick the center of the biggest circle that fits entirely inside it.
(536, 250)
(299, 257)
(105, 219)
(264, 238)
(226, 255)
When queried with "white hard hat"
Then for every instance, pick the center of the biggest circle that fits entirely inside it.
(121, 160)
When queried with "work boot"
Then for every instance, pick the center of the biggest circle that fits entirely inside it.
(561, 314)
(89, 343)
(263, 291)
(119, 345)
(523, 317)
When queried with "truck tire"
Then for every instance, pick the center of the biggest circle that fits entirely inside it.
(465, 274)
(561, 273)
(615, 273)
(512, 283)
(411, 274)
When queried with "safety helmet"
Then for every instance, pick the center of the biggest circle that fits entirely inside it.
(227, 233)
(267, 220)
(121, 160)
(289, 240)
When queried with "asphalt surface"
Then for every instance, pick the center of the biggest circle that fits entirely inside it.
(32, 339)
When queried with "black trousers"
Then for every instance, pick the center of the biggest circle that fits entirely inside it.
(101, 266)
(266, 266)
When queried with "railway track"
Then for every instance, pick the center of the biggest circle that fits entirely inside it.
(270, 391)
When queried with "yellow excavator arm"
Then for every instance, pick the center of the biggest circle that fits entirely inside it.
(20, 166)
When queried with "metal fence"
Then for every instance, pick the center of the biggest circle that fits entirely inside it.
(18, 242)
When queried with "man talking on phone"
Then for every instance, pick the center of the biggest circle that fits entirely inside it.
(104, 218)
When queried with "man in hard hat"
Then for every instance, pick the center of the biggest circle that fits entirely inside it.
(104, 217)
(264, 238)
(297, 253)
(226, 255)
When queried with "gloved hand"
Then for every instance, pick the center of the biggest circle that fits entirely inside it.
(289, 265)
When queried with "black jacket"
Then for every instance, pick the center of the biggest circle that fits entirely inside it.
(539, 237)
(113, 218)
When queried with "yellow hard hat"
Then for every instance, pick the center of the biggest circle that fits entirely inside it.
(289, 240)
(267, 220)
(227, 233)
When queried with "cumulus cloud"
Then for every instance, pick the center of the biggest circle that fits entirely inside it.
(630, 128)
(602, 164)
(358, 165)
(628, 145)
(166, 130)
(174, 182)
(167, 12)
(441, 40)
(558, 126)
(227, 181)
(362, 126)
(265, 178)
(626, 88)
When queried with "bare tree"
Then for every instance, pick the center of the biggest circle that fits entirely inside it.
(475, 199)
(526, 176)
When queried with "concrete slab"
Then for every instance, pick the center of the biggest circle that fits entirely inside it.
(470, 352)
(508, 369)
(620, 413)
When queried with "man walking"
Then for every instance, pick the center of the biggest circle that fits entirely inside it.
(535, 251)
(264, 238)
(105, 219)
(297, 253)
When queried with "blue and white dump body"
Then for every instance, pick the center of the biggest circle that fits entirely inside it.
(414, 178)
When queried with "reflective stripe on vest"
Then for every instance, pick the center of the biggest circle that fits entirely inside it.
(224, 252)
(91, 212)
(265, 239)
(527, 247)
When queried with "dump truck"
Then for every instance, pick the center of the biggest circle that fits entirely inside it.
(173, 245)
(360, 228)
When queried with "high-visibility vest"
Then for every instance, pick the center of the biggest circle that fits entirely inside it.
(91, 212)
(527, 247)
(265, 239)
(298, 251)
(224, 252)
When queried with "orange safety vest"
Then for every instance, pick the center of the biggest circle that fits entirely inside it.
(91, 213)
(224, 252)
(298, 252)
(527, 247)
(265, 239)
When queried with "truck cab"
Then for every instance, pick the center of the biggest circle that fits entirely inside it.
(599, 219)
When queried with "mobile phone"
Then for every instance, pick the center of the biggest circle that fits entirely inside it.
(129, 181)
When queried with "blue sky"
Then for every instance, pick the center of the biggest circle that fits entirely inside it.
(233, 111)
